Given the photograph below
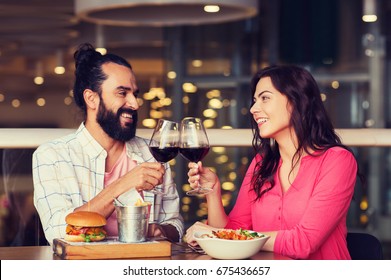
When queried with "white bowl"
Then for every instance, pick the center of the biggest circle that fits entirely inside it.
(229, 249)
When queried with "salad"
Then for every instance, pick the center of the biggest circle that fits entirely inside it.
(230, 234)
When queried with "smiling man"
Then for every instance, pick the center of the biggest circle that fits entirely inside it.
(103, 159)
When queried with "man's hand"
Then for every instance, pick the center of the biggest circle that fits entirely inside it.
(167, 231)
(144, 177)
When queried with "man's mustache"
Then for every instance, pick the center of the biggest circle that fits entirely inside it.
(128, 111)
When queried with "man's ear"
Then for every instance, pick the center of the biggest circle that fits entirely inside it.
(91, 98)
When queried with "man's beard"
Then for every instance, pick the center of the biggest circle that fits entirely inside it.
(110, 123)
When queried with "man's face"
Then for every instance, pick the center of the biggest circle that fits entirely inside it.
(111, 124)
(117, 113)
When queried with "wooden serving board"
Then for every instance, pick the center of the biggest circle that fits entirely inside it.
(110, 249)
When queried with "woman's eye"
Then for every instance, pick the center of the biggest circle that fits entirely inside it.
(264, 98)
(261, 98)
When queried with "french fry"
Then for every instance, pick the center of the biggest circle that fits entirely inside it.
(139, 202)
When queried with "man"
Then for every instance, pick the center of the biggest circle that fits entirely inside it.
(103, 159)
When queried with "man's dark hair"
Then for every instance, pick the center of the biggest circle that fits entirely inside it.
(89, 74)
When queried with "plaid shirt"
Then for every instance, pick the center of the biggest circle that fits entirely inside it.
(69, 171)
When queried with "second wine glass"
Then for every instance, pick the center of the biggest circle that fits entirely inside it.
(194, 146)
(164, 143)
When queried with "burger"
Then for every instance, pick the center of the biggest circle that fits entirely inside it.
(85, 226)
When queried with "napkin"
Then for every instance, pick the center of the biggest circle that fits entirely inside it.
(130, 197)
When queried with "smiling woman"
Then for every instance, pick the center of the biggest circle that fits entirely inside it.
(297, 191)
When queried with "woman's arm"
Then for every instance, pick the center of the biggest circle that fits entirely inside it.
(208, 179)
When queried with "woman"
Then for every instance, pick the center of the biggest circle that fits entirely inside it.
(299, 185)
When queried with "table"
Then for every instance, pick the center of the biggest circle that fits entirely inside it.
(179, 252)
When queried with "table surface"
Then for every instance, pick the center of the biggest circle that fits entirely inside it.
(178, 252)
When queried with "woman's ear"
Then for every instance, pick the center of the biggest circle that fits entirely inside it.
(91, 98)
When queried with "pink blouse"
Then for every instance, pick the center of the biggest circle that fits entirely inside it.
(311, 216)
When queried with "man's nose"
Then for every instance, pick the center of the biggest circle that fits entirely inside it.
(132, 102)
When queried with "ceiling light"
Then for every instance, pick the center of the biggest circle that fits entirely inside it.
(171, 75)
(165, 12)
(215, 103)
(59, 69)
(185, 100)
(189, 88)
(15, 103)
(150, 123)
(335, 84)
(68, 100)
(228, 186)
(100, 40)
(208, 123)
(211, 8)
(213, 93)
(210, 113)
(196, 63)
(369, 11)
(38, 79)
(369, 18)
(41, 102)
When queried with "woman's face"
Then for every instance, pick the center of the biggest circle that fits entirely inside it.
(271, 111)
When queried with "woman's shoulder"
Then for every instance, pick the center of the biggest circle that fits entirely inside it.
(338, 151)
(257, 158)
(335, 154)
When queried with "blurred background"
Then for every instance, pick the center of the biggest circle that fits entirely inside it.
(192, 60)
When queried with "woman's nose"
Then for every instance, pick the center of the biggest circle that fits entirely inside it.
(255, 108)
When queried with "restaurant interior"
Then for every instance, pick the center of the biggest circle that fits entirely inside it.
(192, 62)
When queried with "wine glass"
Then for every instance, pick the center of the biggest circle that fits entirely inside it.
(194, 146)
(164, 143)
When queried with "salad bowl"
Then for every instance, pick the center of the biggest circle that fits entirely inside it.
(230, 244)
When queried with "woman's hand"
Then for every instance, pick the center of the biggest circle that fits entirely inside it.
(198, 226)
(203, 176)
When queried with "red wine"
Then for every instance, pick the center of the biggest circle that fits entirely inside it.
(165, 154)
(194, 154)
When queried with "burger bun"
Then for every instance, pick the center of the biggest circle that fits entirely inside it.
(85, 219)
(74, 238)
(79, 238)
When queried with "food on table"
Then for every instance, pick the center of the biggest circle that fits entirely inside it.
(139, 202)
(85, 226)
(231, 234)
